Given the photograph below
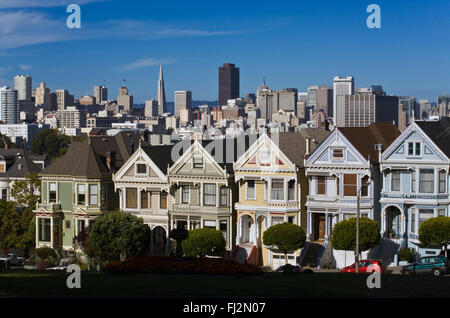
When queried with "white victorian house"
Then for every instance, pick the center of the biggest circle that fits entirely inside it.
(415, 170)
(143, 187)
(345, 164)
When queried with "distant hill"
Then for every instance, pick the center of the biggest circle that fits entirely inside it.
(195, 103)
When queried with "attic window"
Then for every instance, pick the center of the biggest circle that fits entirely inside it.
(338, 153)
(141, 169)
(198, 162)
(265, 157)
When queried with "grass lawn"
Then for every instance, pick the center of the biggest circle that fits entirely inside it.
(50, 283)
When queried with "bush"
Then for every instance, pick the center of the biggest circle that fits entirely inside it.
(202, 242)
(406, 254)
(173, 265)
(43, 264)
(45, 252)
(435, 231)
(285, 237)
(343, 235)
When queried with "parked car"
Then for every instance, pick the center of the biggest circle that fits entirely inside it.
(436, 265)
(291, 269)
(12, 260)
(366, 266)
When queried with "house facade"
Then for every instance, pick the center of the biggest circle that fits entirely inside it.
(272, 190)
(202, 188)
(344, 165)
(143, 188)
(79, 186)
(415, 169)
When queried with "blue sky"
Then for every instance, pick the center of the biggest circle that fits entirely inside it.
(290, 43)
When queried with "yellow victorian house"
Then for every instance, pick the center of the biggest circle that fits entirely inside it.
(272, 190)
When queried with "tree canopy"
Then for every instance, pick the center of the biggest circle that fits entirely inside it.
(51, 142)
(343, 235)
(17, 226)
(202, 242)
(25, 192)
(116, 235)
(435, 231)
(285, 237)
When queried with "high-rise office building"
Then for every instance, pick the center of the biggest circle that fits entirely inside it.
(22, 83)
(161, 94)
(324, 100)
(228, 83)
(151, 108)
(42, 96)
(125, 100)
(9, 105)
(312, 96)
(100, 94)
(410, 106)
(62, 98)
(287, 100)
(341, 87)
(183, 99)
(266, 101)
(71, 117)
(365, 108)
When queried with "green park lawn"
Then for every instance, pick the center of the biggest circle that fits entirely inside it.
(50, 283)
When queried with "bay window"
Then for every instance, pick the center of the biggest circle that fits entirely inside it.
(442, 181)
(131, 198)
(321, 185)
(395, 180)
(185, 194)
(93, 194)
(52, 192)
(251, 190)
(277, 191)
(291, 190)
(209, 194)
(426, 181)
(81, 194)
(350, 186)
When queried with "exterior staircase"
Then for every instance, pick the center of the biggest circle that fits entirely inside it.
(387, 251)
(313, 253)
(243, 252)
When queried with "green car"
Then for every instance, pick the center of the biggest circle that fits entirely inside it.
(436, 265)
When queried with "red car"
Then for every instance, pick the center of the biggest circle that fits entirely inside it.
(366, 266)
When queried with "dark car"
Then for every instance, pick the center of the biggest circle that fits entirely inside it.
(366, 266)
(291, 269)
(436, 265)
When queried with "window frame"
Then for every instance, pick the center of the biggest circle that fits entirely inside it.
(350, 186)
(442, 182)
(140, 164)
(318, 185)
(81, 202)
(212, 195)
(399, 173)
(291, 190)
(185, 191)
(428, 181)
(337, 157)
(93, 195)
(247, 188)
(277, 190)
(127, 206)
(50, 191)
(223, 196)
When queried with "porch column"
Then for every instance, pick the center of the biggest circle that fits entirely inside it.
(309, 225)
(37, 231)
(239, 230)
(326, 225)
(341, 216)
(151, 240)
(51, 232)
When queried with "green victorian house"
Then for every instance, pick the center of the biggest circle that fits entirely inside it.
(78, 186)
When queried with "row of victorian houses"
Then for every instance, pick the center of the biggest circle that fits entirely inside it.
(242, 186)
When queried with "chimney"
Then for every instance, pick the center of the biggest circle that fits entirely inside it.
(110, 159)
(308, 146)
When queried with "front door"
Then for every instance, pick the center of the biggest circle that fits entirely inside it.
(321, 227)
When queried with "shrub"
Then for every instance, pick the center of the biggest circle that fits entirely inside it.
(406, 254)
(43, 264)
(173, 265)
(45, 252)
(202, 242)
(343, 235)
(435, 231)
(285, 237)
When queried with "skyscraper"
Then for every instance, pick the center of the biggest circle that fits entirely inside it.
(100, 94)
(125, 100)
(228, 83)
(341, 87)
(22, 83)
(9, 105)
(42, 96)
(183, 99)
(324, 100)
(62, 98)
(161, 95)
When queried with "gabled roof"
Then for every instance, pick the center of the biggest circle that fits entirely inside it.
(364, 139)
(293, 144)
(19, 163)
(88, 158)
(438, 132)
(161, 155)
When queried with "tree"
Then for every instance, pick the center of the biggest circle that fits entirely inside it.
(285, 237)
(205, 241)
(24, 191)
(116, 235)
(343, 235)
(51, 142)
(4, 140)
(435, 231)
(16, 226)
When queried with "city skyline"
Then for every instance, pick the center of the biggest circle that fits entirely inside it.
(324, 40)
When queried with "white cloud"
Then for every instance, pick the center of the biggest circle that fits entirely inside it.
(24, 67)
(147, 62)
(15, 4)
